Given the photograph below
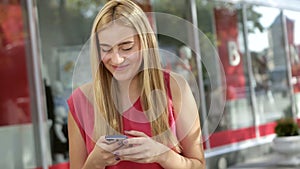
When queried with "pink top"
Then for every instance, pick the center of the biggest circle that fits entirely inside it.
(83, 114)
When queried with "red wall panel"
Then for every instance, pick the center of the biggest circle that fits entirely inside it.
(226, 22)
(14, 87)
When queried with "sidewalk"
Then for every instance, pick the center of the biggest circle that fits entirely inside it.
(266, 162)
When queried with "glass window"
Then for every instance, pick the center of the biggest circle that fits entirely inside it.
(172, 24)
(268, 58)
(170, 45)
(222, 24)
(64, 28)
(293, 32)
(177, 39)
(17, 143)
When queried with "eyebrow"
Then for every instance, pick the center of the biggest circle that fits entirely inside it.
(122, 43)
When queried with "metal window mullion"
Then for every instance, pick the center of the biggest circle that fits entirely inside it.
(205, 132)
(288, 63)
(253, 102)
(37, 94)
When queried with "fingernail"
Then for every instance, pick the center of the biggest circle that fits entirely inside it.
(120, 143)
(116, 153)
(125, 141)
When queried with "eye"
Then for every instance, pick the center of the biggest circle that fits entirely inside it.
(127, 47)
(105, 50)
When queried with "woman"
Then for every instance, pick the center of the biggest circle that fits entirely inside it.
(133, 96)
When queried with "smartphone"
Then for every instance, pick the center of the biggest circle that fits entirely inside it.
(115, 137)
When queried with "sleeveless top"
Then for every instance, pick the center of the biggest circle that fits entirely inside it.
(83, 114)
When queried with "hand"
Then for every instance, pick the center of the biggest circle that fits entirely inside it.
(102, 155)
(143, 150)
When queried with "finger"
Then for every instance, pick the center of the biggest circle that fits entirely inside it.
(136, 133)
(142, 154)
(110, 147)
(129, 151)
(135, 140)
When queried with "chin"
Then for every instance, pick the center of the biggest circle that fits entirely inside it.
(123, 77)
(126, 75)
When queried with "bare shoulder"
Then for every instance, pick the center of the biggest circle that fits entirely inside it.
(180, 90)
(87, 87)
(178, 84)
(87, 90)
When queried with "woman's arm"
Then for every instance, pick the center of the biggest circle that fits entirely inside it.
(187, 127)
(77, 150)
(101, 155)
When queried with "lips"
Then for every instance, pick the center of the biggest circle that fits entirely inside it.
(120, 67)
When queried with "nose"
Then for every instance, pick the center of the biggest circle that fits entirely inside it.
(116, 58)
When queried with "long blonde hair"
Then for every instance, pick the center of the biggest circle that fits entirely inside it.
(151, 77)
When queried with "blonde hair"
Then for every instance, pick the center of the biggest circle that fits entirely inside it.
(151, 78)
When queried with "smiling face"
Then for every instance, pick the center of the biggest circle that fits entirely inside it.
(120, 51)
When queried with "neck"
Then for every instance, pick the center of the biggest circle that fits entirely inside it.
(128, 93)
(128, 86)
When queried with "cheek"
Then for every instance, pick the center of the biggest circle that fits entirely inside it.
(104, 58)
(105, 62)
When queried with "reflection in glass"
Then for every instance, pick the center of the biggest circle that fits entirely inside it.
(228, 32)
(183, 61)
(64, 27)
(293, 32)
(17, 144)
(268, 58)
(176, 8)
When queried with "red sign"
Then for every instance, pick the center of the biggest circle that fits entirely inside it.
(14, 87)
(226, 22)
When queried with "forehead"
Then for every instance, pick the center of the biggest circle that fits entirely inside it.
(115, 34)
